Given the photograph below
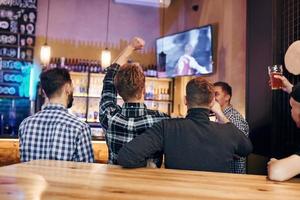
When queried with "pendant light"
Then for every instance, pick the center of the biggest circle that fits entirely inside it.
(45, 53)
(162, 56)
(106, 54)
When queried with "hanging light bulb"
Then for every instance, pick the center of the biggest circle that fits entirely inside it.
(105, 58)
(105, 54)
(162, 57)
(45, 53)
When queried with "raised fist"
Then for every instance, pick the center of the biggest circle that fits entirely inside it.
(137, 43)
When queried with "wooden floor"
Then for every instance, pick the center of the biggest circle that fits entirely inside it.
(69, 180)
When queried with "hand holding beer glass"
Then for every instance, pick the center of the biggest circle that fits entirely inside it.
(277, 80)
(275, 72)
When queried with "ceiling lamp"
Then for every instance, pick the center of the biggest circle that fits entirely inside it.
(162, 56)
(45, 53)
(106, 54)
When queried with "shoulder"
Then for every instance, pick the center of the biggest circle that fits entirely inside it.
(75, 121)
(227, 127)
(26, 121)
(31, 118)
(232, 111)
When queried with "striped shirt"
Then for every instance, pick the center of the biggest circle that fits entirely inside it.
(238, 165)
(54, 134)
(122, 124)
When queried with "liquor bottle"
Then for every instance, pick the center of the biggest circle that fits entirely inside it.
(91, 68)
(57, 62)
(1, 124)
(62, 62)
(72, 62)
(99, 67)
(67, 64)
(167, 94)
(12, 118)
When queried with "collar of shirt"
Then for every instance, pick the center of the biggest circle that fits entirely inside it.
(133, 109)
(198, 113)
(228, 109)
(54, 106)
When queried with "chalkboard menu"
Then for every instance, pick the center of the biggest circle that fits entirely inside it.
(17, 40)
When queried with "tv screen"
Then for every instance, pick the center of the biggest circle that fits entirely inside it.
(186, 53)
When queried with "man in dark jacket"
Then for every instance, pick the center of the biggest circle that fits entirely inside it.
(194, 142)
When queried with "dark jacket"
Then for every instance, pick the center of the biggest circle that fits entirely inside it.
(193, 143)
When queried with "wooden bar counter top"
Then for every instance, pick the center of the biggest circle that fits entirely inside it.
(44, 179)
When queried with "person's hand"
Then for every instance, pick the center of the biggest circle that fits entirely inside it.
(137, 43)
(216, 107)
(286, 85)
(272, 160)
(272, 174)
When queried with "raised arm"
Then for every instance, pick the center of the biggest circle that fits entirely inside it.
(200, 69)
(135, 153)
(108, 101)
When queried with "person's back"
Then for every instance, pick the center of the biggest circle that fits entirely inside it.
(200, 144)
(53, 133)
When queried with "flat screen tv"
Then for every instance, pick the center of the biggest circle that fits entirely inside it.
(186, 53)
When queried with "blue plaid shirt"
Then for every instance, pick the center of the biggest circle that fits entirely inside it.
(238, 165)
(122, 124)
(54, 134)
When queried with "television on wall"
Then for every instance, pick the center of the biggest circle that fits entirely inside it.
(186, 53)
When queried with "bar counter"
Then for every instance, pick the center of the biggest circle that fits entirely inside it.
(9, 151)
(43, 179)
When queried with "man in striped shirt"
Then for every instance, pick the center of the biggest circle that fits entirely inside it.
(122, 124)
(53, 133)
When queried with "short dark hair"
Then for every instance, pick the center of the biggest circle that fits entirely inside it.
(225, 87)
(199, 92)
(53, 80)
(130, 81)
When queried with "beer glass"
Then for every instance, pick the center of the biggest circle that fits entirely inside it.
(275, 82)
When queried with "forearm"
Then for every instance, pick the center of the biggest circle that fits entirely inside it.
(284, 169)
(136, 152)
(123, 57)
(109, 94)
(128, 158)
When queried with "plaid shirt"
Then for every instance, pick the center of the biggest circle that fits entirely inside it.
(122, 124)
(237, 165)
(54, 134)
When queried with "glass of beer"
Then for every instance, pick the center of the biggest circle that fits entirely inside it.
(275, 82)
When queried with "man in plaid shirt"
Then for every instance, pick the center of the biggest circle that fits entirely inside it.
(122, 124)
(223, 93)
(53, 133)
